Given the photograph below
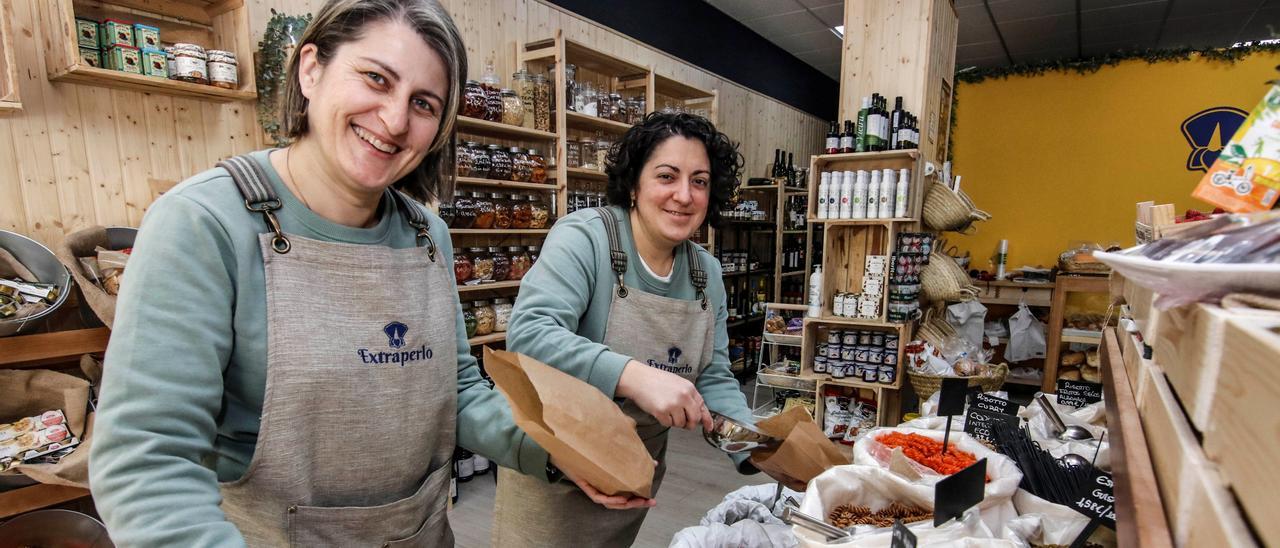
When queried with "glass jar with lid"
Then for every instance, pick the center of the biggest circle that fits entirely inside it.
(604, 105)
(635, 110)
(590, 98)
(541, 103)
(492, 104)
(572, 99)
(501, 210)
(501, 314)
(601, 150)
(462, 160)
(587, 149)
(462, 267)
(533, 254)
(223, 69)
(464, 211)
(540, 213)
(484, 210)
(484, 317)
(469, 319)
(522, 83)
(512, 107)
(500, 163)
(521, 212)
(521, 166)
(619, 111)
(190, 63)
(538, 167)
(501, 263)
(446, 213)
(573, 154)
(474, 100)
(520, 262)
(480, 162)
(481, 264)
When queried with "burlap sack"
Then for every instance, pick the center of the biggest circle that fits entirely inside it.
(29, 392)
(84, 243)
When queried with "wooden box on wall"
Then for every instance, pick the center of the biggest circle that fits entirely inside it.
(9, 100)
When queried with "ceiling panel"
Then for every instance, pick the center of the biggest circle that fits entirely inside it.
(1128, 14)
(1139, 35)
(794, 22)
(809, 41)
(830, 15)
(975, 25)
(1201, 8)
(1264, 24)
(744, 10)
(1061, 52)
(811, 4)
(1217, 31)
(984, 49)
(1014, 10)
(1028, 34)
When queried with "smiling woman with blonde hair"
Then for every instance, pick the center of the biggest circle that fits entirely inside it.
(289, 364)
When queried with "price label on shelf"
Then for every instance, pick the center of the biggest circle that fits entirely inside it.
(1078, 393)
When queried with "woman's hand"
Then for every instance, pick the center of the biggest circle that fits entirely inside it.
(612, 502)
(670, 398)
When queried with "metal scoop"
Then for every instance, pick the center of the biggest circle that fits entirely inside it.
(1063, 431)
(792, 516)
(732, 436)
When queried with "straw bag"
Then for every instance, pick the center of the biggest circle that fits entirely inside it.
(947, 210)
(925, 384)
(934, 328)
(943, 280)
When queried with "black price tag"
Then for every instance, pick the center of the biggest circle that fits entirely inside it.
(981, 424)
(1097, 500)
(951, 401)
(902, 537)
(987, 402)
(1079, 393)
(959, 492)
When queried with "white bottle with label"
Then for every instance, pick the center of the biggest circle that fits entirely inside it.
(873, 195)
(900, 197)
(815, 292)
(887, 193)
(833, 199)
(860, 195)
(824, 191)
(846, 195)
(837, 306)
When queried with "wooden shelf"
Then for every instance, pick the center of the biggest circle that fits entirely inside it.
(492, 286)
(220, 25)
(579, 120)
(587, 58)
(763, 272)
(482, 340)
(589, 174)
(793, 273)
(476, 126)
(744, 321)
(25, 351)
(862, 156)
(794, 231)
(495, 183)
(1084, 339)
(856, 322)
(679, 90)
(35, 497)
(816, 220)
(497, 231)
(758, 187)
(828, 379)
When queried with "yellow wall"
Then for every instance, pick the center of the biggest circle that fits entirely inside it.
(1064, 157)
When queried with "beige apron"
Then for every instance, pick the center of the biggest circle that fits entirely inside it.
(359, 412)
(674, 335)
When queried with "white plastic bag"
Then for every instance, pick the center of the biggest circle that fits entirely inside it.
(996, 506)
(968, 318)
(1026, 336)
(741, 519)
(1057, 524)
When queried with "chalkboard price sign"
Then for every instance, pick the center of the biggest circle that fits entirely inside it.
(981, 424)
(1097, 500)
(902, 537)
(1078, 393)
(987, 402)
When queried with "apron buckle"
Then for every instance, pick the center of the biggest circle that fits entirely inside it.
(622, 288)
(431, 242)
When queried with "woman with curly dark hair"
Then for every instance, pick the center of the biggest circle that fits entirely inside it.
(622, 299)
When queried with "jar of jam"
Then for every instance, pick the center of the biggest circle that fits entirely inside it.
(538, 163)
(464, 212)
(462, 160)
(462, 267)
(223, 69)
(521, 166)
(469, 319)
(501, 314)
(481, 164)
(492, 104)
(484, 210)
(481, 265)
(474, 100)
(501, 263)
(190, 63)
(484, 317)
(521, 212)
(540, 214)
(533, 254)
(501, 163)
(501, 211)
(541, 103)
(512, 107)
(573, 154)
(520, 262)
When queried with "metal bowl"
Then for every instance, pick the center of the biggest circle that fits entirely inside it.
(54, 529)
(118, 237)
(732, 436)
(45, 266)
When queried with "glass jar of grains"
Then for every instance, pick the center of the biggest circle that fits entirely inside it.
(462, 268)
(501, 263)
(462, 160)
(573, 154)
(480, 162)
(520, 262)
(604, 105)
(601, 151)
(474, 101)
(521, 212)
(587, 149)
(501, 210)
(484, 210)
(522, 82)
(446, 213)
(484, 317)
(492, 104)
(512, 107)
(619, 111)
(464, 211)
(521, 166)
(501, 163)
(501, 314)
(538, 164)
(481, 264)
(469, 319)
(540, 213)
(541, 103)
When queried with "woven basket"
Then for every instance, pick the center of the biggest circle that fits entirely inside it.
(934, 328)
(945, 210)
(942, 280)
(925, 385)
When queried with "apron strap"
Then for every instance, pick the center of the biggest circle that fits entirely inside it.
(416, 219)
(696, 274)
(617, 257)
(259, 196)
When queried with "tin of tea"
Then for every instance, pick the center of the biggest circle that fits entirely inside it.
(864, 338)
(836, 369)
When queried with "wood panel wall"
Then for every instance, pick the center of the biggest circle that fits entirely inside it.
(77, 155)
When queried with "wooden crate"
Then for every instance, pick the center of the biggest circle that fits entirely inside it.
(1141, 306)
(213, 24)
(1135, 365)
(844, 256)
(9, 97)
(1188, 344)
(1013, 293)
(1195, 498)
(1244, 440)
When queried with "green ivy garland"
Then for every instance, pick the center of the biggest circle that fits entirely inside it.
(282, 34)
(1090, 65)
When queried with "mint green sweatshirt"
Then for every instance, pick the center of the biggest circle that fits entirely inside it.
(185, 374)
(563, 307)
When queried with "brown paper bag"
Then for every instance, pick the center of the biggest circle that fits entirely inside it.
(586, 432)
(84, 243)
(804, 454)
(27, 393)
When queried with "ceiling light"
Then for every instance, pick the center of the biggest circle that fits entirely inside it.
(838, 31)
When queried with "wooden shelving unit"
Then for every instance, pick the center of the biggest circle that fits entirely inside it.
(586, 174)
(10, 99)
(485, 128)
(214, 24)
(1063, 285)
(511, 185)
(491, 338)
(492, 286)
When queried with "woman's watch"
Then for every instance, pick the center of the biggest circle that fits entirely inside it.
(553, 474)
